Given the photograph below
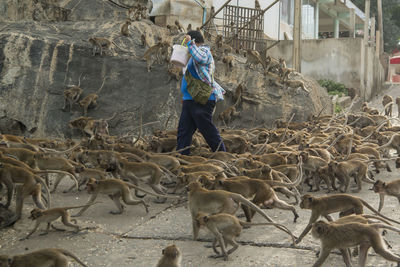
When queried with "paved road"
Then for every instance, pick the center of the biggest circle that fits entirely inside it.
(136, 238)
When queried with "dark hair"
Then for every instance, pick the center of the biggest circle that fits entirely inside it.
(196, 35)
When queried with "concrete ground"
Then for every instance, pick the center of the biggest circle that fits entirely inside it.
(136, 238)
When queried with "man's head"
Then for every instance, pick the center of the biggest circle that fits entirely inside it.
(199, 39)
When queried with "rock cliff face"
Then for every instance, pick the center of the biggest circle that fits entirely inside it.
(44, 47)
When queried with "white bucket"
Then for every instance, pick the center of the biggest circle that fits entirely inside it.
(180, 55)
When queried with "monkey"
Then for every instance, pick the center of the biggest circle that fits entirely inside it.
(57, 163)
(83, 177)
(253, 58)
(271, 64)
(143, 40)
(225, 228)
(228, 114)
(391, 189)
(345, 169)
(11, 138)
(369, 110)
(285, 72)
(156, 53)
(115, 189)
(47, 216)
(43, 257)
(91, 99)
(219, 201)
(100, 43)
(296, 84)
(179, 26)
(398, 106)
(260, 190)
(343, 203)
(189, 27)
(72, 95)
(91, 126)
(31, 185)
(171, 257)
(125, 28)
(333, 235)
(173, 29)
(393, 143)
(257, 4)
(174, 72)
(228, 61)
(387, 103)
(201, 167)
(273, 78)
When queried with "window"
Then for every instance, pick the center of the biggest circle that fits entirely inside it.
(287, 11)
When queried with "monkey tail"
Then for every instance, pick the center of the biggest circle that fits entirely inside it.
(376, 212)
(388, 143)
(70, 254)
(384, 226)
(62, 172)
(239, 198)
(38, 179)
(294, 183)
(64, 151)
(130, 185)
(368, 216)
(77, 207)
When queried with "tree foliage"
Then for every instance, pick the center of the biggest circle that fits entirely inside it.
(391, 20)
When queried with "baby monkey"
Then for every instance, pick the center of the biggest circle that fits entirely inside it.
(172, 257)
(50, 215)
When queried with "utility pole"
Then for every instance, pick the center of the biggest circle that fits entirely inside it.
(297, 36)
(366, 45)
(380, 22)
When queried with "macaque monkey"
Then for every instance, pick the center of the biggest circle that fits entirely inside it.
(90, 126)
(271, 64)
(387, 102)
(393, 143)
(174, 72)
(391, 189)
(398, 106)
(31, 185)
(47, 216)
(343, 203)
(98, 44)
(143, 40)
(225, 228)
(259, 190)
(156, 53)
(228, 62)
(189, 27)
(125, 28)
(72, 95)
(342, 236)
(173, 29)
(296, 84)
(284, 73)
(253, 59)
(219, 201)
(228, 114)
(257, 4)
(43, 257)
(115, 189)
(90, 100)
(83, 177)
(171, 257)
(179, 26)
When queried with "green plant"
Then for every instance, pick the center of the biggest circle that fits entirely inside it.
(333, 88)
(338, 108)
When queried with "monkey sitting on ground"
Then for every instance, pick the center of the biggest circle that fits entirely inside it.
(228, 63)
(115, 189)
(342, 236)
(171, 257)
(225, 228)
(43, 257)
(47, 216)
(343, 203)
(387, 102)
(90, 101)
(391, 189)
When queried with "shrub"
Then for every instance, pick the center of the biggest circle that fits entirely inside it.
(333, 88)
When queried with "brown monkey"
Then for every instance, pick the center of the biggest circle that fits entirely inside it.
(253, 58)
(271, 64)
(83, 177)
(125, 28)
(342, 236)
(394, 143)
(225, 228)
(90, 126)
(391, 189)
(50, 215)
(398, 106)
(115, 189)
(99, 43)
(257, 4)
(346, 169)
(228, 62)
(387, 103)
(296, 84)
(43, 257)
(189, 27)
(90, 100)
(260, 190)
(11, 138)
(343, 203)
(143, 40)
(72, 95)
(219, 201)
(174, 72)
(171, 257)
(156, 53)
(284, 72)
(31, 185)
(228, 114)
(180, 27)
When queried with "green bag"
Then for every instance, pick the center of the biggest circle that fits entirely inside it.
(199, 90)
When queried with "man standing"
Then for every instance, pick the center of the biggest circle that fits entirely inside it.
(198, 84)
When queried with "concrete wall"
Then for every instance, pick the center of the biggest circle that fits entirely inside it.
(340, 60)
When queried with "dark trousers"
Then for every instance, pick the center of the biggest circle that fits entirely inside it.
(196, 116)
